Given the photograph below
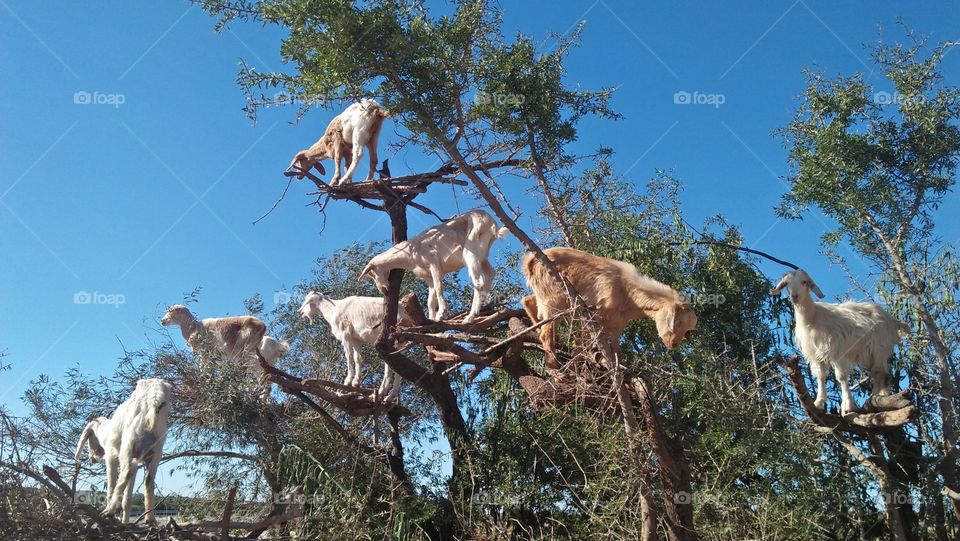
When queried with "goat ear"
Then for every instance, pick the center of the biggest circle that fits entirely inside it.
(816, 289)
(296, 160)
(366, 270)
(319, 167)
(782, 284)
(89, 435)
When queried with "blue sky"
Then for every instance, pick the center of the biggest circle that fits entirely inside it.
(151, 192)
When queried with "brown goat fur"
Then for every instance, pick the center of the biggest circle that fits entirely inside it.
(331, 145)
(616, 290)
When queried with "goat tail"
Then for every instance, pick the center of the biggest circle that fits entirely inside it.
(534, 272)
(502, 232)
(373, 108)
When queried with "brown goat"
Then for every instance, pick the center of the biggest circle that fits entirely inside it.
(616, 290)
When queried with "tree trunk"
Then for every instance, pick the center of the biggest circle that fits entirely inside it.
(673, 467)
(947, 466)
(433, 382)
(675, 472)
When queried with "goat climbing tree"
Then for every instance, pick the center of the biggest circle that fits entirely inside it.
(593, 377)
(425, 71)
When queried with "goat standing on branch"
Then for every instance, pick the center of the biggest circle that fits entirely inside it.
(345, 137)
(354, 321)
(464, 240)
(241, 338)
(133, 436)
(617, 291)
(843, 336)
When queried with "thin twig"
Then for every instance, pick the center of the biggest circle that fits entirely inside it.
(289, 181)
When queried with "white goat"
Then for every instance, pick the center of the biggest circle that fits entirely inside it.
(460, 241)
(844, 336)
(330, 145)
(353, 321)
(345, 137)
(239, 338)
(133, 436)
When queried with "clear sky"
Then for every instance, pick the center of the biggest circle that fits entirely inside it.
(150, 190)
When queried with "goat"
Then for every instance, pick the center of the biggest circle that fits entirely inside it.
(330, 145)
(133, 436)
(271, 350)
(616, 290)
(460, 241)
(844, 336)
(345, 137)
(354, 321)
(239, 338)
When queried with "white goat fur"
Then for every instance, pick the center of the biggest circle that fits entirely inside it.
(346, 136)
(354, 321)
(462, 241)
(842, 336)
(133, 436)
(240, 338)
(616, 290)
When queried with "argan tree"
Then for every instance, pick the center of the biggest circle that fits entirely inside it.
(880, 163)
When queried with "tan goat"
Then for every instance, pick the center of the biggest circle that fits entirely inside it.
(240, 338)
(616, 290)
